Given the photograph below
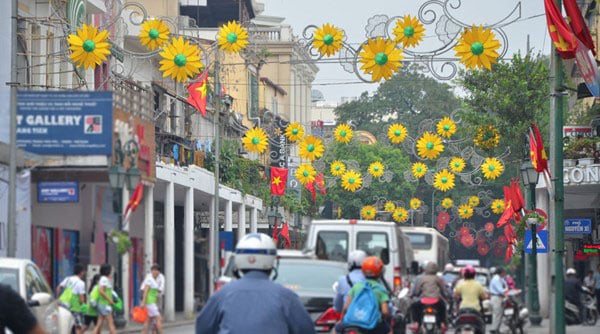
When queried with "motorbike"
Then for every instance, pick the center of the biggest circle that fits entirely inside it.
(590, 310)
(429, 322)
(514, 313)
(469, 321)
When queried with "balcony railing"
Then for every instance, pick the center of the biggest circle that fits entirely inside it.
(133, 98)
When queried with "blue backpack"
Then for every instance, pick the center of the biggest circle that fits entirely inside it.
(364, 309)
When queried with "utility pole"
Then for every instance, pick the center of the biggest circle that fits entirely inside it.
(559, 224)
(12, 140)
(214, 226)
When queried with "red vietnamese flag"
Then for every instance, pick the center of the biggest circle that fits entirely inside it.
(541, 151)
(134, 201)
(578, 25)
(320, 182)
(517, 200)
(197, 92)
(278, 180)
(560, 33)
(310, 186)
(285, 233)
(533, 152)
(276, 232)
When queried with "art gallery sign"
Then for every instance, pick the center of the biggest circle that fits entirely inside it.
(577, 175)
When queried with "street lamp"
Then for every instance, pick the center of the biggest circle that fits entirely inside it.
(530, 178)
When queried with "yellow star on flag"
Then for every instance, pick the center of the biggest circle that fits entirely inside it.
(202, 89)
(276, 180)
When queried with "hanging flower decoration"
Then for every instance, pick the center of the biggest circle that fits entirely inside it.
(154, 34)
(328, 39)
(443, 217)
(311, 148)
(447, 203)
(446, 127)
(389, 206)
(343, 133)
(415, 203)
(180, 60)
(487, 137)
(498, 206)
(489, 227)
(294, 132)
(397, 133)
(368, 212)
(429, 146)
(457, 164)
(400, 215)
(351, 181)
(409, 31)
(338, 168)
(232, 37)
(419, 169)
(306, 173)
(492, 168)
(474, 201)
(88, 47)
(376, 169)
(443, 180)
(465, 211)
(255, 140)
(467, 240)
(380, 58)
(483, 249)
(477, 47)
(463, 231)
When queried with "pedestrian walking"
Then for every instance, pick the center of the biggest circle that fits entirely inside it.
(150, 300)
(90, 314)
(498, 289)
(254, 303)
(71, 292)
(105, 300)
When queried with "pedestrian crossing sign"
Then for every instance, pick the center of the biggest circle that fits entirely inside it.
(542, 242)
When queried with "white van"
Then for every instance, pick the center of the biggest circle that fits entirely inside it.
(335, 239)
(428, 244)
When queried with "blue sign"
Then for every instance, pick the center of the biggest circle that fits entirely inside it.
(226, 241)
(542, 242)
(65, 122)
(578, 226)
(58, 192)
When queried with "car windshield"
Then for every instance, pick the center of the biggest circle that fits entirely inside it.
(419, 240)
(10, 277)
(308, 276)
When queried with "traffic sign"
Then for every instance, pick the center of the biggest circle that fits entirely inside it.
(578, 226)
(542, 242)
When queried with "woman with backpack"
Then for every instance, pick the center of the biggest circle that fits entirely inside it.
(89, 310)
(367, 303)
(105, 300)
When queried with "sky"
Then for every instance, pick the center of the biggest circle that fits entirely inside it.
(352, 17)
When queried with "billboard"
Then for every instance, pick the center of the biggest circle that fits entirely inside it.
(58, 192)
(65, 122)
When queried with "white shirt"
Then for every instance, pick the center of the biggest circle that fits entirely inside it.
(159, 280)
(76, 284)
(105, 282)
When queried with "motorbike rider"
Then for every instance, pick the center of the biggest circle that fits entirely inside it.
(573, 289)
(430, 285)
(470, 293)
(345, 283)
(254, 303)
(449, 275)
(498, 288)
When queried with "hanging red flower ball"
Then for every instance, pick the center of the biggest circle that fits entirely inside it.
(464, 231)
(489, 227)
(467, 240)
(443, 217)
(441, 226)
(502, 240)
(480, 240)
(499, 250)
(483, 249)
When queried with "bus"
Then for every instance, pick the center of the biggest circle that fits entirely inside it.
(428, 244)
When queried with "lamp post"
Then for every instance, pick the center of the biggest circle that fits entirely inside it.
(530, 178)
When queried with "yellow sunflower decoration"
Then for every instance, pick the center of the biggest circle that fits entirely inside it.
(443, 180)
(389, 206)
(419, 169)
(154, 34)
(498, 206)
(232, 37)
(477, 47)
(487, 137)
(492, 168)
(415, 203)
(474, 201)
(446, 127)
(337, 168)
(457, 164)
(328, 39)
(380, 58)
(397, 133)
(180, 60)
(351, 181)
(305, 173)
(368, 212)
(400, 215)
(88, 47)
(447, 203)
(465, 211)
(376, 169)
(343, 133)
(294, 132)
(429, 146)
(255, 140)
(409, 31)
(311, 148)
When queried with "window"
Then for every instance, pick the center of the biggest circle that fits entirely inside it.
(34, 282)
(420, 240)
(332, 246)
(10, 277)
(374, 244)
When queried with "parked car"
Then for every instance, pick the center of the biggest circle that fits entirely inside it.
(26, 278)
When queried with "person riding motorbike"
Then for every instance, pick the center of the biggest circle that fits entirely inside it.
(346, 282)
(254, 303)
(573, 289)
(470, 293)
(430, 286)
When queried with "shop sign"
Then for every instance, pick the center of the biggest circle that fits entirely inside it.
(588, 174)
(58, 192)
(577, 131)
(279, 145)
(578, 226)
(64, 122)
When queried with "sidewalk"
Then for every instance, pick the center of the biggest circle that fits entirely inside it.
(180, 320)
(544, 329)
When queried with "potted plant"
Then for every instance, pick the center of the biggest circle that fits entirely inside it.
(534, 218)
(580, 148)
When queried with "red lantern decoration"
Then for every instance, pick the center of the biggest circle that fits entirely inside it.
(467, 240)
(443, 217)
(483, 249)
(489, 227)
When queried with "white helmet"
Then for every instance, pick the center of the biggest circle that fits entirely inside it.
(493, 270)
(571, 271)
(449, 267)
(356, 258)
(256, 251)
